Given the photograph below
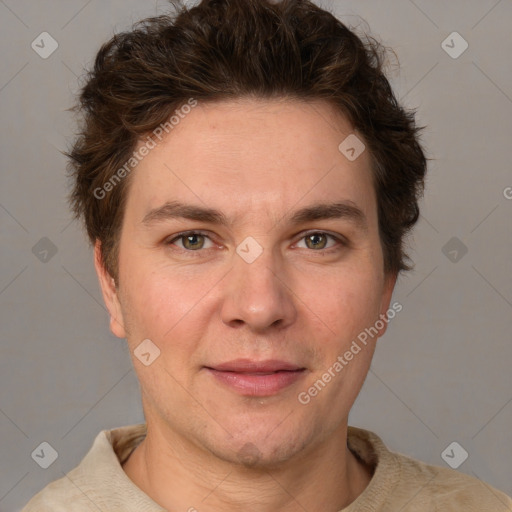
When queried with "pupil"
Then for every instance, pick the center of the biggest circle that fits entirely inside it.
(316, 240)
(192, 240)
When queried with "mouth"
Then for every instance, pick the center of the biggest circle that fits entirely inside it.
(256, 378)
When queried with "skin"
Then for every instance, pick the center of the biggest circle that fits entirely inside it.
(257, 161)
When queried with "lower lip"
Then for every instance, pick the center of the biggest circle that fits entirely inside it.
(257, 385)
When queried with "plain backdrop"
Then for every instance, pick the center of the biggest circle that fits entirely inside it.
(441, 373)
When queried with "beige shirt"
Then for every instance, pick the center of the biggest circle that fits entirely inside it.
(399, 483)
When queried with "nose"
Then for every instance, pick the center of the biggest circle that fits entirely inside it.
(258, 295)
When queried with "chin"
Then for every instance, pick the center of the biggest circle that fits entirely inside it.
(262, 449)
(257, 456)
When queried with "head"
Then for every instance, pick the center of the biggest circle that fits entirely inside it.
(229, 221)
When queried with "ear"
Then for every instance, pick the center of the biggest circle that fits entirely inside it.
(110, 294)
(387, 293)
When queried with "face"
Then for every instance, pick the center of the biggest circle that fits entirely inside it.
(250, 257)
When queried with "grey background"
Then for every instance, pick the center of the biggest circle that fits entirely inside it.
(442, 371)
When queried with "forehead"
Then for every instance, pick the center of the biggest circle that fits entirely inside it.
(254, 154)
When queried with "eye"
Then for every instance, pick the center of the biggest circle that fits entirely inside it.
(319, 240)
(191, 241)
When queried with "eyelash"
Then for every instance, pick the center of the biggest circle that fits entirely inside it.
(341, 241)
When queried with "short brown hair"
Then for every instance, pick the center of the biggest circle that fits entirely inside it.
(227, 49)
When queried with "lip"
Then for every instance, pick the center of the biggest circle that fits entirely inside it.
(257, 378)
(251, 366)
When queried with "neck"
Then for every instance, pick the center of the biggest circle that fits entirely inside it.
(179, 476)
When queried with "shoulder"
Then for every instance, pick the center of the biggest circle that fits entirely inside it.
(61, 496)
(447, 489)
(98, 482)
(403, 483)
(423, 486)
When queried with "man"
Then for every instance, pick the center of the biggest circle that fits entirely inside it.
(247, 179)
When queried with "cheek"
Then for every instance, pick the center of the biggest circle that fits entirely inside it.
(346, 303)
(165, 306)
(162, 312)
(146, 299)
(155, 304)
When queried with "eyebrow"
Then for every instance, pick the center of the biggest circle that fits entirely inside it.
(320, 211)
(176, 210)
(325, 211)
